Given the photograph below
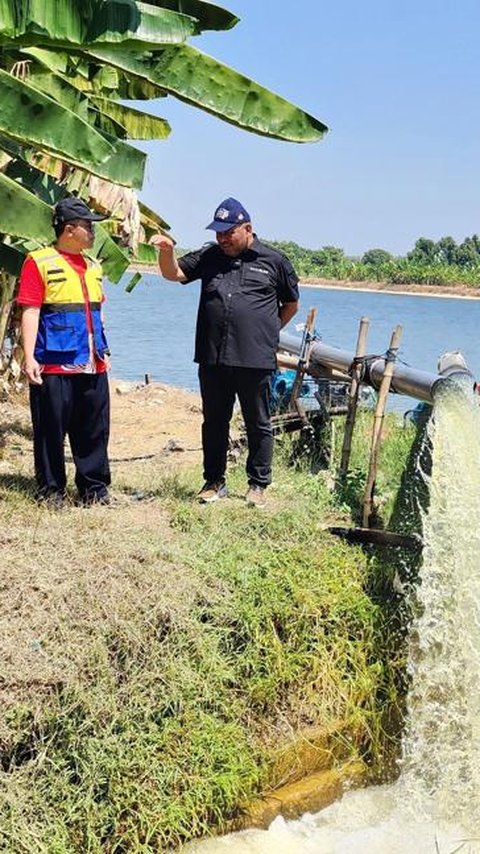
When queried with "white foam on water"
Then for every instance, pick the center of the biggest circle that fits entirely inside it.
(370, 821)
(435, 805)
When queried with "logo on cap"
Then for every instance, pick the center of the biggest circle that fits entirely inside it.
(222, 213)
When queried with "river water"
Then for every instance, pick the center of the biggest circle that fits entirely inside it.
(434, 807)
(152, 329)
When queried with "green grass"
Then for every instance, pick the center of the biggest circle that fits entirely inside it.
(177, 650)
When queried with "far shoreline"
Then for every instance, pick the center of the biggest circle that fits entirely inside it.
(439, 291)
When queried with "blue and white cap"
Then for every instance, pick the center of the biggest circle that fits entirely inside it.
(229, 213)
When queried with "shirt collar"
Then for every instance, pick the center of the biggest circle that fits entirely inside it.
(252, 250)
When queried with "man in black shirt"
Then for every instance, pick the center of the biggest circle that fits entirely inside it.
(249, 291)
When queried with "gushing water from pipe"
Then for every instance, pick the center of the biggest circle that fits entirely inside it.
(441, 765)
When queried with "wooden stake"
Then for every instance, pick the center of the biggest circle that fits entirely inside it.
(378, 424)
(353, 396)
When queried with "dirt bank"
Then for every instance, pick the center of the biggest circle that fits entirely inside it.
(459, 291)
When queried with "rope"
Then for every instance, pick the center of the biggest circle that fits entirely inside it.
(365, 361)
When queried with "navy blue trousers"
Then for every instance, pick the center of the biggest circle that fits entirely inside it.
(77, 406)
(219, 385)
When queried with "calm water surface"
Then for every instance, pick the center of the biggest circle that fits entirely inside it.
(152, 329)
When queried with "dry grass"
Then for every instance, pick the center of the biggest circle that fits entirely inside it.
(66, 574)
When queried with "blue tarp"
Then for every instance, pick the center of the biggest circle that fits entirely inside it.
(282, 386)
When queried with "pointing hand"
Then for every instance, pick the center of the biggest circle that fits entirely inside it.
(162, 242)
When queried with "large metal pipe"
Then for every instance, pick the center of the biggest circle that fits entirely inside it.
(409, 381)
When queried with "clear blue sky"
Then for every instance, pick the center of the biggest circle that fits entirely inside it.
(398, 84)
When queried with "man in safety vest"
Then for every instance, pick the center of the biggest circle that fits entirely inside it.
(66, 358)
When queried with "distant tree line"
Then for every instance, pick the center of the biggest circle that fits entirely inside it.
(431, 263)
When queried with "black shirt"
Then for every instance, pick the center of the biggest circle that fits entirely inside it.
(238, 319)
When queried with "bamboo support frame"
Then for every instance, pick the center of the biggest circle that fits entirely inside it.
(378, 424)
(303, 360)
(353, 393)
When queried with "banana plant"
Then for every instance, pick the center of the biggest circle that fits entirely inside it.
(67, 72)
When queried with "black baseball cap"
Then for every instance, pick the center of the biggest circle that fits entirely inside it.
(73, 208)
(229, 213)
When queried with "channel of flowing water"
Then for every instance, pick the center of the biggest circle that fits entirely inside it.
(434, 807)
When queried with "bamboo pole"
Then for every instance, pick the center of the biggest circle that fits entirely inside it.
(353, 393)
(378, 424)
(303, 360)
(284, 360)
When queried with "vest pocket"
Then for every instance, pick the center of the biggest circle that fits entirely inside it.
(60, 337)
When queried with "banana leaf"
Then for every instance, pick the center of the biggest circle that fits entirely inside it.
(22, 214)
(108, 121)
(138, 125)
(103, 82)
(43, 186)
(54, 60)
(29, 116)
(60, 89)
(137, 25)
(115, 260)
(209, 16)
(125, 166)
(152, 218)
(69, 24)
(146, 254)
(11, 259)
(136, 278)
(137, 89)
(106, 125)
(203, 82)
(32, 117)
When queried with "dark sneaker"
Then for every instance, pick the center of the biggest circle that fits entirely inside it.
(52, 500)
(211, 492)
(95, 499)
(255, 496)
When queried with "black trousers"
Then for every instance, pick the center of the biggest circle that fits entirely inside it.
(77, 406)
(219, 385)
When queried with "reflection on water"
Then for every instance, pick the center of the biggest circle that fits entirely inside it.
(152, 329)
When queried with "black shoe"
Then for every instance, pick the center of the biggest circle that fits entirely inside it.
(51, 499)
(94, 499)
